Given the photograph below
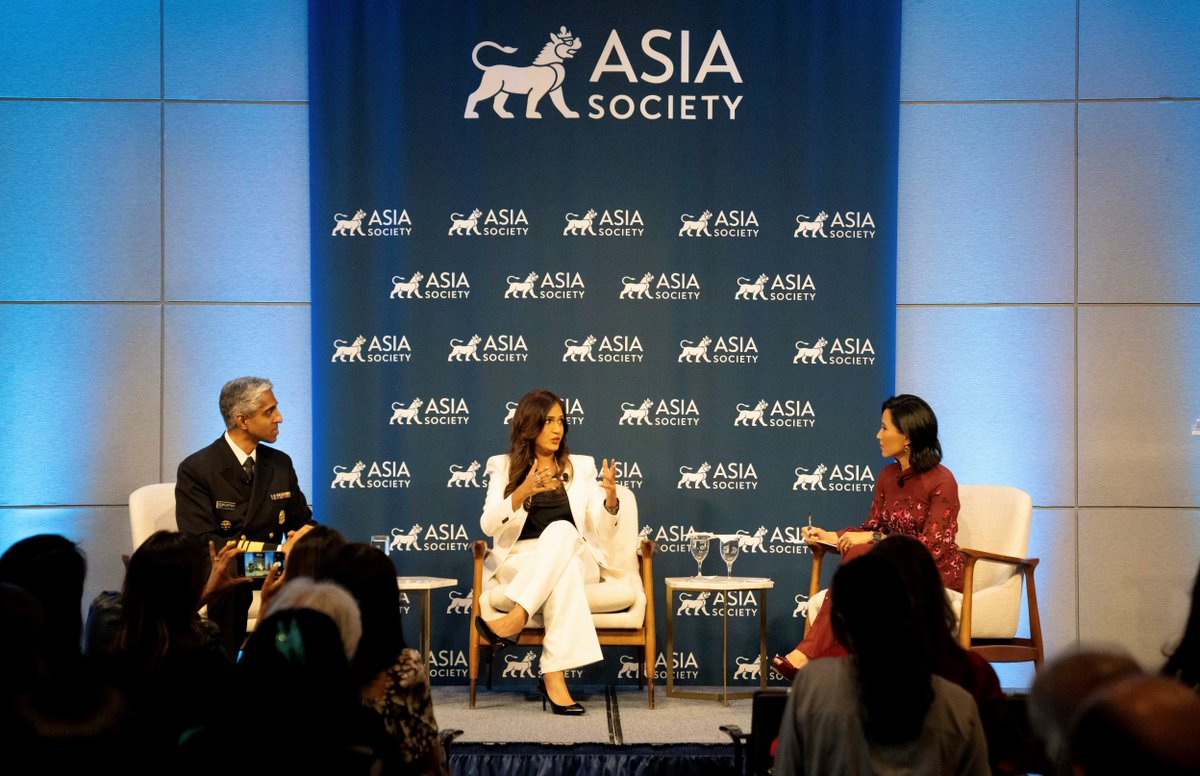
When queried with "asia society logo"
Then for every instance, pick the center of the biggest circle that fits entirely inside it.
(748, 667)
(721, 603)
(501, 222)
(465, 476)
(665, 412)
(432, 538)
(388, 348)
(435, 411)
(381, 223)
(778, 288)
(629, 474)
(843, 477)
(460, 603)
(726, 475)
(435, 285)
(379, 474)
(551, 285)
(726, 350)
(448, 663)
(846, 225)
(846, 351)
(685, 665)
(497, 347)
(572, 407)
(612, 348)
(541, 78)
(613, 223)
(785, 413)
(667, 285)
(726, 223)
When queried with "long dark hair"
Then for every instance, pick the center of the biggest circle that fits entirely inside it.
(1184, 662)
(915, 419)
(370, 577)
(933, 616)
(872, 618)
(161, 596)
(312, 550)
(528, 420)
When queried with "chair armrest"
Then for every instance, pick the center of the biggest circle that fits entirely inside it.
(479, 549)
(646, 548)
(735, 733)
(971, 556)
(814, 583)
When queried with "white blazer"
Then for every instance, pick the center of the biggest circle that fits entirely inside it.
(499, 521)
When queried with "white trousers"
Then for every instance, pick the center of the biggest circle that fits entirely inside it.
(548, 574)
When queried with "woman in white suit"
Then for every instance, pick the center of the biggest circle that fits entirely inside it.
(550, 522)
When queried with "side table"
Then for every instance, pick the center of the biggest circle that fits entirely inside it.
(718, 585)
(425, 585)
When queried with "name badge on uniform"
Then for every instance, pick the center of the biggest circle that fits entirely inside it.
(282, 517)
(281, 496)
(227, 505)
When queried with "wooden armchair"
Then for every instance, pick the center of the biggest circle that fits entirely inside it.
(623, 612)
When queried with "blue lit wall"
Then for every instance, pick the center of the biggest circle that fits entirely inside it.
(153, 187)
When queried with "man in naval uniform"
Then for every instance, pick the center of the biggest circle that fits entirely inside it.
(237, 490)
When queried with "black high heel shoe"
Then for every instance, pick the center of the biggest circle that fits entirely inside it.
(497, 641)
(574, 710)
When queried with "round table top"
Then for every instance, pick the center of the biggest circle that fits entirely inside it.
(719, 583)
(424, 583)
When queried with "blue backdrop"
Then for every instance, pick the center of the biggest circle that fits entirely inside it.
(681, 218)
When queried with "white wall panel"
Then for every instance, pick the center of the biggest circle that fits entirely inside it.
(1139, 396)
(986, 204)
(1138, 48)
(79, 197)
(1000, 380)
(1136, 592)
(236, 202)
(236, 49)
(83, 49)
(1139, 186)
(206, 345)
(79, 402)
(1016, 50)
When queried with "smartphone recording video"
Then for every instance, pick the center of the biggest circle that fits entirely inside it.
(257, 564)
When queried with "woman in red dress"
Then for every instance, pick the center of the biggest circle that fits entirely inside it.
(914, 496)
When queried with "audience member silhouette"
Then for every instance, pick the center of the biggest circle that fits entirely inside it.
(303, 559)
(880, 708)
(1143, 724)
(1184, 663)
(390, 676)
(51, 568)
(1061, 687)
(325, 597)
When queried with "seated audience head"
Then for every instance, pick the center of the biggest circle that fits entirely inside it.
(370, 577)
(914, 418)
(1063, 684)
(932, 613)
(305, 556)
(161, 595)
(872, 618)
(24, 657)
(1184, 663)
(1142, 724)
(325, 597)
(51, 568)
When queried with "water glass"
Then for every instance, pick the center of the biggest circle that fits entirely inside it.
(381, 543)
(729, 551)
(698, 544)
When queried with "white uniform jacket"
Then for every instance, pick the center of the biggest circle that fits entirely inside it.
(597, 527)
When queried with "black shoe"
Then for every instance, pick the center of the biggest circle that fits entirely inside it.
(574, 710)
(490, 636)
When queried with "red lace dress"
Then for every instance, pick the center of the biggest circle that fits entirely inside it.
(925, 506)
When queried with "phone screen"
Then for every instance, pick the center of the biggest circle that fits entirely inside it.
(257, 564)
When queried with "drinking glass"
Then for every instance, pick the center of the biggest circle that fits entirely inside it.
(729, 551)
(699, 547)
(380, 542)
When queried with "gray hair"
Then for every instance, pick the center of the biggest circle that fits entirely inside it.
(325, 597)
(241, 396)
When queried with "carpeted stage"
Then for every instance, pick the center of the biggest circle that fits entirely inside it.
(508, 733)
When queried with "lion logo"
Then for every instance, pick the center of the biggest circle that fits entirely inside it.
(694, 353)
(636, 416)
(748, 290)
(518, 666)
(694, 227)
(580, 226)
(464, 351)
(460, 603)
(544, 76)
(811, 228)
(404, 416)
(579, 352)
(348, 479)
(406, 289)
(752, 543)
(463, 478)
(747, 669)
(806, 481)
(349, 226)
(512, 410)
(751, 417)
(468, 225)
(521, 289)
(810, 355)
(636, 289)
(342, 351)
(694, 479)
(696, 605)
(406, 541)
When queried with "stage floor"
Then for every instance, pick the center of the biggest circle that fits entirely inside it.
(614, 716)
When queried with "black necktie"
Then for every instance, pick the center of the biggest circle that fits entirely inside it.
(248, 466)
